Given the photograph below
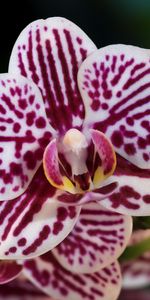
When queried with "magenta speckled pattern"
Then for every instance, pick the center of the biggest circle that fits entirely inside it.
(54, 280)
(97, 239)
(34, 222)
(132, 196)
(115, 85)
(24, 131)
(81, 199)
(50, 52)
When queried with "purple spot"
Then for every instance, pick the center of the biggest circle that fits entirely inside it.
(62, 213)
(117, 139)
(2, 191)
(31, 99)
(37, 106)
(142, 143)
(22, 242)
(130, 149)
(107, 94)
(2, 128)
(30, 118)
(95, 105)
(30, 160)
(16, 188)
(72, 212)
(40, 122)
(22, 104)
(79, 40)
(146, 156)
(104, 106)
(122, 57)
(16, 169)
(95, 83)
(146, 198)
(58, 226)
(13, 249)
(16, 127)
(130, 121)
(119, 94)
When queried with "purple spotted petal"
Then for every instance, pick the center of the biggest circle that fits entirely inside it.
(24, 131)
(98, 238)
(115, 85)
(50, 52)
(60, 284)
(136, 273)
(21, 289)
(9, 270)
(34, 223)
(132, 196)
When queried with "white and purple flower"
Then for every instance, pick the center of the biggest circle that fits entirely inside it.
(75, 153)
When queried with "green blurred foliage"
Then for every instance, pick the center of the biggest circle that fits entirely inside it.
(136, 16)
(141, 223)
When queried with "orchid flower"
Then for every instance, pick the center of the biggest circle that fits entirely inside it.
(43, 119)
(86, 256)
(136, 272)
(75, 153)
(51, 279)
(92, 113)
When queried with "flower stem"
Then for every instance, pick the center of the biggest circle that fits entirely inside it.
(133, 252)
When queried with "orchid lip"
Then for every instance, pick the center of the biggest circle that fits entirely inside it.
(78, 164)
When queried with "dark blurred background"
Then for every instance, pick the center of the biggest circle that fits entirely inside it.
(105, 21)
